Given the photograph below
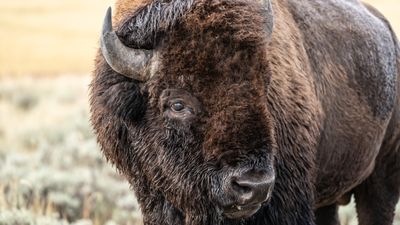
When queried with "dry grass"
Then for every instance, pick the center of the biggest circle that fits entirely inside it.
(47, 37)
(51, 170)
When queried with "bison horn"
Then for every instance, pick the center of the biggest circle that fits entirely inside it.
(270, 15)
(122, 59)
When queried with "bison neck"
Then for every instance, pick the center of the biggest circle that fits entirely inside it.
(352, 113)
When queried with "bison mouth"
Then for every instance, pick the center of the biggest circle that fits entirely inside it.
(244, 191)
(241, 212)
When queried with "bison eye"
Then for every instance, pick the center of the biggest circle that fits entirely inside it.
(177, 107)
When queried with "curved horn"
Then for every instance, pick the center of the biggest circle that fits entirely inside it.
(124, 60)
(267, 4)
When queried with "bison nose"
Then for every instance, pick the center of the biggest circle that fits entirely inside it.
(246, 193)
(252, 187)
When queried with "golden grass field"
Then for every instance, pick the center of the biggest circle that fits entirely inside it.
(47, 37)
(51, 169)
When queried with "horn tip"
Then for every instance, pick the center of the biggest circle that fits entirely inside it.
(107, 25)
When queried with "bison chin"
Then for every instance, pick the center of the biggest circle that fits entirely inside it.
(222, 193)
(242, 192)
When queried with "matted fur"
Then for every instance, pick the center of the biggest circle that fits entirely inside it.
(300, 103)
(150, 21)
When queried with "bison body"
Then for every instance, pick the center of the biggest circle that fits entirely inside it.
(251, 112)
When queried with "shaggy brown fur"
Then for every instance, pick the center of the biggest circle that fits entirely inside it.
(316, 103)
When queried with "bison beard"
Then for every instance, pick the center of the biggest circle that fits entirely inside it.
(214, 118)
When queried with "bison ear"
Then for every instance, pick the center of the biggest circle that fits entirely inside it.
(267, 5)
(115, 96)
(129, 103)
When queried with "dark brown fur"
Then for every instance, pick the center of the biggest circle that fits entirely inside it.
(317, 102)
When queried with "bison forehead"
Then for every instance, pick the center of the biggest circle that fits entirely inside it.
(143, 24)
(217, 42)
(237, 24)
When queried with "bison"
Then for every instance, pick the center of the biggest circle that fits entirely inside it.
(251, 111)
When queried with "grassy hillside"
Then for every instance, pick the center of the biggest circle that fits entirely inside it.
(51, 170)
(47, 37)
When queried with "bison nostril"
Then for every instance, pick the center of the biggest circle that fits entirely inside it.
(251, 187)
(242, 189)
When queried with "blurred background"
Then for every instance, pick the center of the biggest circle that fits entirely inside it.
(51, 169)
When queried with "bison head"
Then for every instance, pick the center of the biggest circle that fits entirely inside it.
(179, 105)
